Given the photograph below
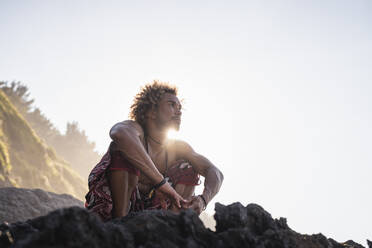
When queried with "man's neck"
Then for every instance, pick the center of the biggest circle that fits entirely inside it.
(157, 138)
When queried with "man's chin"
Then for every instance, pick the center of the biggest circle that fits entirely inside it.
(175, 126)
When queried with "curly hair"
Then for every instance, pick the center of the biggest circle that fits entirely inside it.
(149, 96)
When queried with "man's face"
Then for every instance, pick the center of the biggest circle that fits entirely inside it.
(168, 113)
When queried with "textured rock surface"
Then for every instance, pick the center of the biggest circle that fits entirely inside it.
(237, 226)
(22, 204)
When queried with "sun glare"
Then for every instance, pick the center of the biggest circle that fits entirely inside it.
(173, 134)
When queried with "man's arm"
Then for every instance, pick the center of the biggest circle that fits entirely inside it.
(213, 176)
(127, 137)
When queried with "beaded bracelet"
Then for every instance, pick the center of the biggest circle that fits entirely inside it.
(162, 182)
(156, 186)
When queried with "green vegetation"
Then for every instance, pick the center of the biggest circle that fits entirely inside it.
(27, 161)
(73, 146)
(4, 162)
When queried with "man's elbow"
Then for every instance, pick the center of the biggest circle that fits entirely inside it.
(117, 132)
(220, 176)
(114, 134)
(122, 133)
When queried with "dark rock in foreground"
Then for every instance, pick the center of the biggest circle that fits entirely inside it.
(237, 226)
(17, 204)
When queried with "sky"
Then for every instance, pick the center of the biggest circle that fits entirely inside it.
(277, 94)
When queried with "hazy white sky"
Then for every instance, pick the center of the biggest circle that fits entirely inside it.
(277, 92)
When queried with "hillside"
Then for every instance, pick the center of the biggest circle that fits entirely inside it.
(25, 161)
(73, 146)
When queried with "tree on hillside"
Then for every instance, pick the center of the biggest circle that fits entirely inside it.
(73, 146)
(42, 125)
(18, 94)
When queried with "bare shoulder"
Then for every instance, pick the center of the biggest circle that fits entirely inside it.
(133, 124)
(128, 125)
(182, 148)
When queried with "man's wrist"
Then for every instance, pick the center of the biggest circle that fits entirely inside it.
(161, 183)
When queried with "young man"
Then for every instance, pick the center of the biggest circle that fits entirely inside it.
(145, 170)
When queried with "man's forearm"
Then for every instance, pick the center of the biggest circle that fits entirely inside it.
(212, 183)
(130, 144)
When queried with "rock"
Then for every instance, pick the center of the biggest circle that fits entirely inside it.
(236, 226)
(17, 204)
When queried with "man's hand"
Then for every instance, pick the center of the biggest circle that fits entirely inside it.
(168, 191)
(162, 199)
(197, 204)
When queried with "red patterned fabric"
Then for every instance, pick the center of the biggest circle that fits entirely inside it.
(98, 199)
(119, 162)
(183, 173)
(180, 173)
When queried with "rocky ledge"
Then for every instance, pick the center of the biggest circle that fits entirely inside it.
(18, 204)
(237, 226)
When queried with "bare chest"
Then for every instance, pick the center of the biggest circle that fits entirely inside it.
(162, 161)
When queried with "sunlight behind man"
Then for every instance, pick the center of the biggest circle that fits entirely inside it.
(173, 134)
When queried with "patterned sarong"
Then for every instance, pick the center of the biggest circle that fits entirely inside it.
(98, 198)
